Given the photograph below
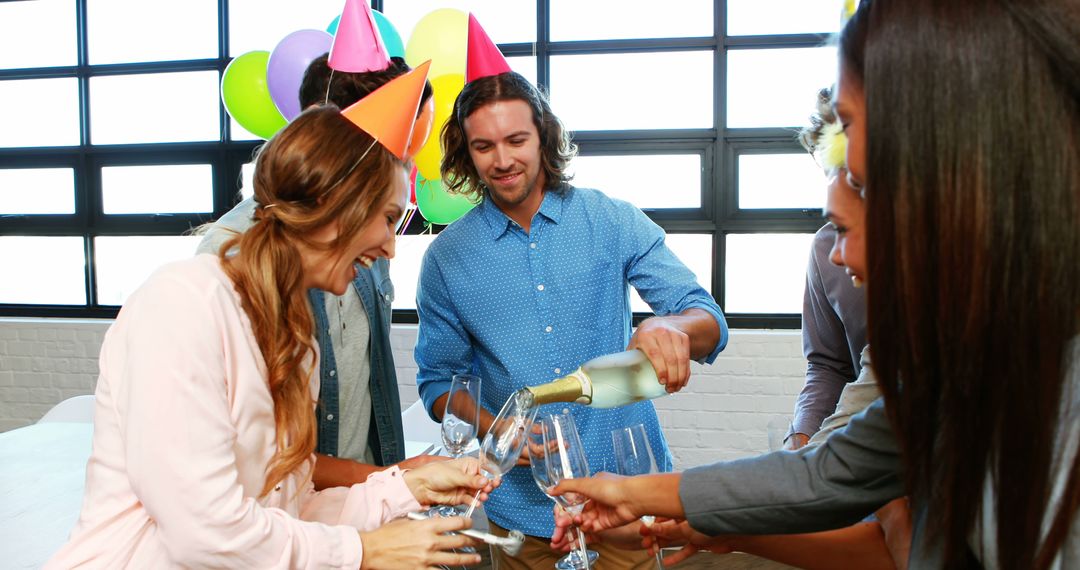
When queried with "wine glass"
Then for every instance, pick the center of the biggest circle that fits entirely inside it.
(565, 458)
(505, 438)
(459, 422)
(539, 453)
(634, 456)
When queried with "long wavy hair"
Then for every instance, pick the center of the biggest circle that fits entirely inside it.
(556, 150)
(307, 176)
(972, 188)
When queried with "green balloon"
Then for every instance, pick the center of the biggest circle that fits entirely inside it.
(437, 205)
(247, 97)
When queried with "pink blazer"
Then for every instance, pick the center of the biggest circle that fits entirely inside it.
(183, 434)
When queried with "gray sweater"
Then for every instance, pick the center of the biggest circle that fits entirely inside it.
(833, 334)
(852, 473)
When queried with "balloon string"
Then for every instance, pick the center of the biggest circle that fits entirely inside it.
(326, 100)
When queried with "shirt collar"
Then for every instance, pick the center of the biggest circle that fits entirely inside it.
(551, 207)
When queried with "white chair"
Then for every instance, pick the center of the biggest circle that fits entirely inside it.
(418, 426)
(74, 409)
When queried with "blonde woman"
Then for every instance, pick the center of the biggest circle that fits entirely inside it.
(205, 424)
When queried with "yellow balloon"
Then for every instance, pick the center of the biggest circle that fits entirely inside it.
(442, 37)
(446, 89)
(428, 159)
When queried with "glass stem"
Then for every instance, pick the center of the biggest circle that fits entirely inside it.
(581, 547)
(472, 506)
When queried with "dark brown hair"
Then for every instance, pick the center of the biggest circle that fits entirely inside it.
(972, 190)
(347, 88)
(556, 150)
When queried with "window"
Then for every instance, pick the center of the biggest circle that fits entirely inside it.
(688, 111)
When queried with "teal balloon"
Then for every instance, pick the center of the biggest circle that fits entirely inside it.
(437, 205)
(390, 36)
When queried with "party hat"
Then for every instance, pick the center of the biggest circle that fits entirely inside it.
(358, 46)
(388, 113)
(483, 58)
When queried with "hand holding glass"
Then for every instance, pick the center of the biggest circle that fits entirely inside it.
(565, 458)
(505, 438)
(633, 456)
(538, 461)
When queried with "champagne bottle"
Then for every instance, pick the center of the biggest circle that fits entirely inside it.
(605, 382)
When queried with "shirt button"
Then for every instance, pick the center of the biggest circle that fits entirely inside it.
(330, 416)
(278, 488)
(558, 370)
(387, 297)
(540, 287)
(533, 245)
(547, 328)
(333, 372)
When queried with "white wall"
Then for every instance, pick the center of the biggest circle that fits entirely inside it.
(722, 414)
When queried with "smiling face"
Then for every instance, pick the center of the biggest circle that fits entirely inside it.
(504, 146)
(332, 270)
(846, 211)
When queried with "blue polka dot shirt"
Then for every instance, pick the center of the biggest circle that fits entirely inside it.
(523, 308)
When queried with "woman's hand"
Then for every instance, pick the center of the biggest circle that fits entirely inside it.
(417, 544)
(678, 532)
(609, 506)
(448, 482)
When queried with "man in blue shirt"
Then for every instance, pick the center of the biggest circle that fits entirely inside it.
(535, 281)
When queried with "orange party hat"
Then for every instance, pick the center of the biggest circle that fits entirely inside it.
(483, 57)
(388, 113)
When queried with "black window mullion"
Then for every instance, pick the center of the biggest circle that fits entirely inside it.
(718, 146)
(543, 40)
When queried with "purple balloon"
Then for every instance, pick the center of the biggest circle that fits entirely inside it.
(287, 64)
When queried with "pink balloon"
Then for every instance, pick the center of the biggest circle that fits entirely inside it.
(287, 64)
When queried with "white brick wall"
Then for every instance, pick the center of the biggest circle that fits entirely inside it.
(722, 414)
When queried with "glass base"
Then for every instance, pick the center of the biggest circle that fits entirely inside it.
(573, 560)
(445, 511)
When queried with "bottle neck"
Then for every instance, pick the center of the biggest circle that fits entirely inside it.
(574, 387)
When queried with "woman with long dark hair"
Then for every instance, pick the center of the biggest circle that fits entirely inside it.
(964, 128)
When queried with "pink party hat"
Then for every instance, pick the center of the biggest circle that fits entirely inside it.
(358, 46)
(483, 58)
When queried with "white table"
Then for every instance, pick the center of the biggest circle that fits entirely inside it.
(42, 471)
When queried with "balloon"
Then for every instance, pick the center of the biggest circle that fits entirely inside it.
(288, 62)
(246, 96)
(437, 205)
(390, 36)
(440, 36)
(446, 89)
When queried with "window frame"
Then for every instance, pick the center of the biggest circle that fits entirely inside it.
(719, 148)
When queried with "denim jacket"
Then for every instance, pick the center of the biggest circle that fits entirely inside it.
(385, 437)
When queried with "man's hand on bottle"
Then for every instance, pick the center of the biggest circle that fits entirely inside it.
(668, 349)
